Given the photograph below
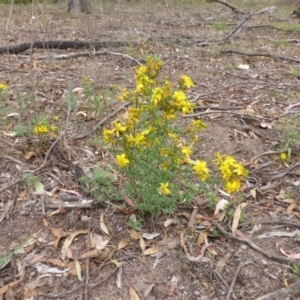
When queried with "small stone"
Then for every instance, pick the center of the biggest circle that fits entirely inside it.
(196, 293)
(84, 219)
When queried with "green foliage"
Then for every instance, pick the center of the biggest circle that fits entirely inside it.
(291, 138)
(102, 185)
(30, 179)
(220, 25)
(289, 26)
(20, 130)
(134, 223)
(296, 269)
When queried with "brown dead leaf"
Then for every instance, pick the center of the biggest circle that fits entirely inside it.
(29, 154)
(134, 234)
(133, 294)
(22, 195)
(253, 193)
(4, 289)
(237, 216)
(102, 224)
(78, 269)
(202, 237)
(46, 223)
(116, 263)
(292, 255)
(182, 242)
(89, 254)
(142, 244)
(150, 251)
(67, 243)
(220, 265)
(123, 243)
(58, 233)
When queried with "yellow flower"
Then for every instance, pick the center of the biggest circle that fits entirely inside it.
(169, 115)
(156, 95)
(53, 128)
(84, 80)
(187, 107)
(40, 129)
(218, 160)
(185, 82)
(196, 125)
(139, 87)
(163, 189)
(229, 160)
(186, 150)
(124, 95)
(3, 86)
(119, 128)
(179, 97)
(122, 160)
(106, 133)
(55, 118)
(164, 151)
(232, 186)
(201, 170)
(283, 157)
(139, 71)
(239, 170)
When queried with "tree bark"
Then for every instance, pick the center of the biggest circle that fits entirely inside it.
(76, 6)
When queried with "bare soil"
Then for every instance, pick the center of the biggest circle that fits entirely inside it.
(248, 112)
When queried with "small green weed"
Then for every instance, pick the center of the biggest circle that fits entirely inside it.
(288, 26)
(102, 185)
(134, 223)
(296, 269)
(220, 25)
(20, 130)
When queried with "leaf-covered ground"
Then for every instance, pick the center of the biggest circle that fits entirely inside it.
(61, 243)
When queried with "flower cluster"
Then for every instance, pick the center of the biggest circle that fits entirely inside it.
(3, 86)
(154, 153)
(41, 128)
(232, 172)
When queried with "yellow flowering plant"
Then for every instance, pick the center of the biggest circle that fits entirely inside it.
(153, 152)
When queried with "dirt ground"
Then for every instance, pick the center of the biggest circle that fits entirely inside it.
(247, 86)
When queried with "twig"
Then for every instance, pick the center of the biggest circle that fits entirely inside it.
(254, 246)
(282, 57)
(253, 159)
(238, 28)
(192, 217)
(9, 16)
(235, 9)
(90, 286)
(87, 262)
(87, 53)
(12, 159)
(85, 134)
(46, 156)
(37, 169)
(282, 293)
(225, 112)
(241, 264)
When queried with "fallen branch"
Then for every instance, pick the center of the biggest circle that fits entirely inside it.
(65, 45)
(238, 28)
(241, 264)
(86, 53)
(85, 134)
(282, 293)
(233, 8)
(254, 246)
(288, 58)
